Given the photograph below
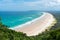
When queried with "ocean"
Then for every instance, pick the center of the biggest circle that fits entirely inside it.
(12, 19)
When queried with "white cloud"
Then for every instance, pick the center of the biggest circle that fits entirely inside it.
(33, 5)
(58, 1)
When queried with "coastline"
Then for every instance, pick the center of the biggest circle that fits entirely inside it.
(27, 23)
(37, 25)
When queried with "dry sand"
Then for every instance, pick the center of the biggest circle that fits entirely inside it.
(38, 26)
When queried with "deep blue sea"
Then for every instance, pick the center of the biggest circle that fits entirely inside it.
(12, 19)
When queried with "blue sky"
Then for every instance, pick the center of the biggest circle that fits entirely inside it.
(23, 5)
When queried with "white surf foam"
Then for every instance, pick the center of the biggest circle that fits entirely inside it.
(27, 23)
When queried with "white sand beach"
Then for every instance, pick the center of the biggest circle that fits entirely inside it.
(37, 26)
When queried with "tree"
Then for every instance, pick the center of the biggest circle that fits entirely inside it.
(0, 21)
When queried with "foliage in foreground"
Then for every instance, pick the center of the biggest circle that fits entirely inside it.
(7, 34)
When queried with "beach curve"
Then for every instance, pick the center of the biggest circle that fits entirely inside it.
(36, 26)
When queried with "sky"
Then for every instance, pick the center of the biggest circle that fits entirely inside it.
(24, 5)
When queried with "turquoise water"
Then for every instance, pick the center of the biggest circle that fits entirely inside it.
(12, 19)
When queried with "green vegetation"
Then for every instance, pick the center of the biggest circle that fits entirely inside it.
(7, 34)
(57, 16)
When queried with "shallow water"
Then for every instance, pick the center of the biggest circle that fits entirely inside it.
(13, 19)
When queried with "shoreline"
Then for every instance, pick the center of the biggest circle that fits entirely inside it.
(29, 22)
(37, 25)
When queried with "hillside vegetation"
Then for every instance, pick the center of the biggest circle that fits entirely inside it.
(7, 34)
